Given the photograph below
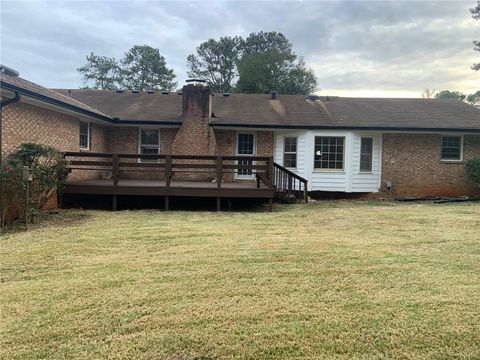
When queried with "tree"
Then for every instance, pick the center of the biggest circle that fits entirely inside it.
(104, 72)
(263, 62)
(261, 42)
(447, 94)
(428, 94)
(474, 99)
(268, 63)
(144, 68)
(273, 71)
(216, 62)
(476, 15)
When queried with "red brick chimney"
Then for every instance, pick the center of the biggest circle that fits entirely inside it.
(195, 136)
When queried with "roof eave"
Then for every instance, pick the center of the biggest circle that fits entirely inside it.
(55, 102)
(343, 127)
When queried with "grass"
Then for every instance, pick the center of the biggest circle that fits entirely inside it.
(327, 280)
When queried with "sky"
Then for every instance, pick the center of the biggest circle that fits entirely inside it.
(356, 48)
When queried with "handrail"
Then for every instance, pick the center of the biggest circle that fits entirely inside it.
(216, 165)
(285, 184)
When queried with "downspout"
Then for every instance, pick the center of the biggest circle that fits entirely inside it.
(4, 103)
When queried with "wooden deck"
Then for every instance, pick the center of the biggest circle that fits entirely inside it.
(175, 188)
(269, 179)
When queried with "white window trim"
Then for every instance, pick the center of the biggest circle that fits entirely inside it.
(342, 170)
(246, 177)
(140, 142)
(86, 148)
(461, 149)
(360, 171)
(296, 151)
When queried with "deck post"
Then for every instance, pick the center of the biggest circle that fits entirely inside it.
(115, 169)
(114, 203)
(270, 172)
(219, 171)
(218, 203)
(167, 203)
(168, 170)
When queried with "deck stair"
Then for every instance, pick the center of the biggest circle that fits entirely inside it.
(289, 187)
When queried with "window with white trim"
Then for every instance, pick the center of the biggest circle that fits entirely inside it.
(290, 152)
(329, 152)
(366, 154)
(452, 148)
(149, 143)
(84, 140)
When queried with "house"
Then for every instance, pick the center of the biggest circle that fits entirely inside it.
(246, 145)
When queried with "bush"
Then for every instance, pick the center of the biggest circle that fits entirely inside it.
(49, 172)
(472, 167)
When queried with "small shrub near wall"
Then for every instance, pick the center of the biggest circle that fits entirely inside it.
(49, 172)
(472, 167)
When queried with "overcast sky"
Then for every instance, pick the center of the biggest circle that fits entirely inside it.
(356, 48)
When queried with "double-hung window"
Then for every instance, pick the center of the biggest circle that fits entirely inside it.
(149, 143)
(290, 152)
(452, 148)
(366, 154)
(329, 152)
(84, 140)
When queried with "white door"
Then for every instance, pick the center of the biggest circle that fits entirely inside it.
(245, 147)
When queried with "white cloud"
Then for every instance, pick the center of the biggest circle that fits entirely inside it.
(356, 48)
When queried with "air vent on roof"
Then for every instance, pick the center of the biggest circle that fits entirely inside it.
(119, 91)
(165, 92)
(226, 94)
(179, 93)
(135, 91)
(273, 95)
(151, 92)
(313, 97)
(8, 71)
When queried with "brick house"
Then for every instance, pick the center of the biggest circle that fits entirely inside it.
(352, 145)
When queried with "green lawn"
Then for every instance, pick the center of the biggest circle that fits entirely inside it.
(327, 280)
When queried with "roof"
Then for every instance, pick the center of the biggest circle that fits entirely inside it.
(290, 111)
(131, 106)
(30, 89)
(259, 110)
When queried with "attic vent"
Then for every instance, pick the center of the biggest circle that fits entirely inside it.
(120, 91)
(9, 71)
(150, 92)
(135, 91)
(165, 92)
(226, 94)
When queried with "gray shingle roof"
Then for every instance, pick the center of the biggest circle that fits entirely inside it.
(290, 110)
(44, 93)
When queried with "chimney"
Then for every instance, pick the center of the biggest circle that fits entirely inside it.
(195, 136)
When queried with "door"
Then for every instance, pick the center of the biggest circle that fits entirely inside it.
(245, 147)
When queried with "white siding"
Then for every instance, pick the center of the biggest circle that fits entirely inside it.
(347, 180)
(366, 182)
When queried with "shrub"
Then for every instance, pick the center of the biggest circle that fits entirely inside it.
(472, 167)
(49, 172)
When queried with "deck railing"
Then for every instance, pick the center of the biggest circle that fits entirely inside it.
(217, 166)
(289, 186)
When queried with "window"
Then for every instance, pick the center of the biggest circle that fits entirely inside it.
(149, 144)
(329, 151)
(84, 135)
(290, 152)
(366, 154)
(452, 148)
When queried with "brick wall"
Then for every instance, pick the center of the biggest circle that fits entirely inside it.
(24, 123)
(125, 140)
(412, 162)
